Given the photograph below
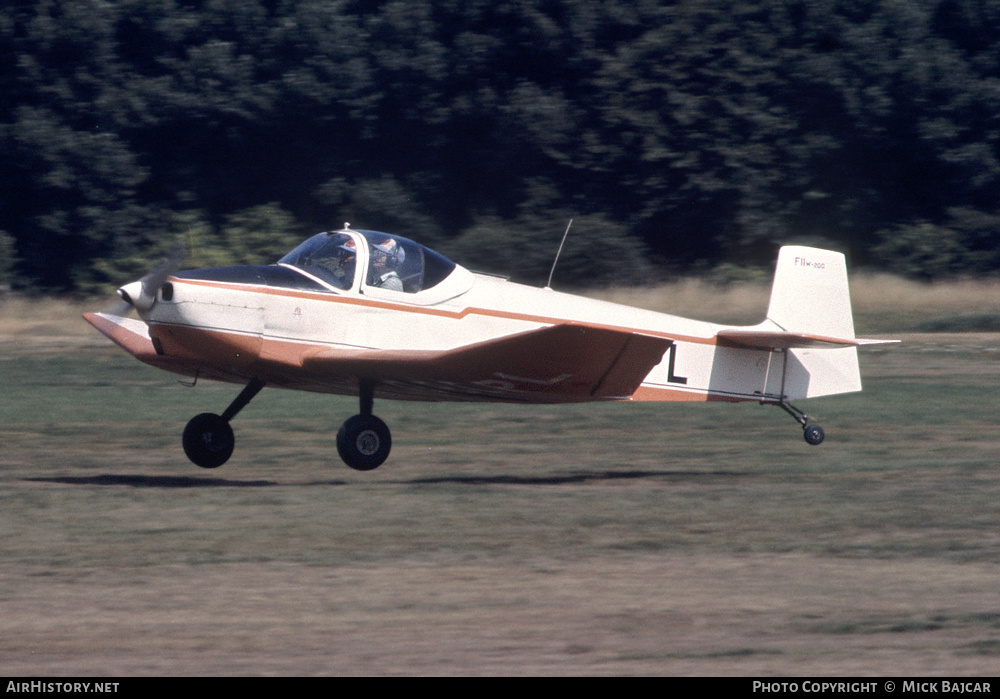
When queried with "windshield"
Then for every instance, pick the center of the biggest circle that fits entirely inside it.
(330, 256)
(394, 263)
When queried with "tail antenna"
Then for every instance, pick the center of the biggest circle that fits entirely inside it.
(558, 253)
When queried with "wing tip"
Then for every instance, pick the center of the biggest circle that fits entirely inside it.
(131, 335)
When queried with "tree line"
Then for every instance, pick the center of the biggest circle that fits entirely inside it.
(677, 135)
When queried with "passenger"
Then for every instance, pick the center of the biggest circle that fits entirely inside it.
(387, 258)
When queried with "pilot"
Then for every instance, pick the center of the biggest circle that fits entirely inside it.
(344, 270)
(387, 258)
(335, 261)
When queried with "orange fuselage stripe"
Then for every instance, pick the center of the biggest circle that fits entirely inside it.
(455, 315)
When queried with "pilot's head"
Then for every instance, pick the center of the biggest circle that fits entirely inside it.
(388, 254)
(343, 263)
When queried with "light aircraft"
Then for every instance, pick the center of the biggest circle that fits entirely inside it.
(365, 313)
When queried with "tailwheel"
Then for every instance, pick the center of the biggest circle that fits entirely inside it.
(364, 442)
(208, 440)
(814, 434)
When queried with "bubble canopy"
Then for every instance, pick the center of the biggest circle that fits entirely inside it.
(385, 260)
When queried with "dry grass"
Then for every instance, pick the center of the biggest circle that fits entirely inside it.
(882, 303)
(883, 292)
(34, 323)
(694, 298)
(885, 303)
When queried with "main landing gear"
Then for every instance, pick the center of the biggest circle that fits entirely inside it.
(363, 441)
(813, 433)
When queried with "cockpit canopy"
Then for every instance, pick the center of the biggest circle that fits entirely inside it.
(388, 261)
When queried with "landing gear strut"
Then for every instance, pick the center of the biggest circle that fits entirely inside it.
(364, 440)
(208, 439)
(813, 433)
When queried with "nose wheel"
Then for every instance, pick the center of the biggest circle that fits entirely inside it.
(208, 438)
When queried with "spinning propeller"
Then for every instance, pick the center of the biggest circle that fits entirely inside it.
(141, 295)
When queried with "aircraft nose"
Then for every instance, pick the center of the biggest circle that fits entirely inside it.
(136, 295)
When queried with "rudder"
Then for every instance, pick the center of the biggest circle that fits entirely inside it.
(811, 294)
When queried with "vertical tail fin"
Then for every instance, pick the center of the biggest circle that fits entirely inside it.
(810, 296)
(809, 328)
(810, 293)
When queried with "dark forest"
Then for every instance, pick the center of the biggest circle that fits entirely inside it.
(678, 136)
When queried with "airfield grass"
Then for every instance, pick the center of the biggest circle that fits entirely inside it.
(583, 539)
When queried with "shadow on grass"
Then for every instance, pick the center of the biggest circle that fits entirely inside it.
(154, 481)
(140, 481)
(571, 478)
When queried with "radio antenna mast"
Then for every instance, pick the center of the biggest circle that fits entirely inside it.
(558, 253)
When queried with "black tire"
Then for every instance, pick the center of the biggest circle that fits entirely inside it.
(364, 442)
(814, 434)
(208, 440)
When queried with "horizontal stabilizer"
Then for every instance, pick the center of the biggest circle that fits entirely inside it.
(776, 339)
(810, 306)
(567, 362)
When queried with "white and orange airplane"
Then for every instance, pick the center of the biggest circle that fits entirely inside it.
(359, 312)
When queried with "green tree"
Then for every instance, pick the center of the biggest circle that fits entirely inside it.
(922, 250)
(381, 204)
(597, 251)
(260, 235)
(712, 131)
(8, 259)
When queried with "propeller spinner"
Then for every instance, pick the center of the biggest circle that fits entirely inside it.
(141, 294)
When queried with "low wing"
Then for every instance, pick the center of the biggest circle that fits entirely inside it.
(567, 362)
(133, 336)
(129, 334)
(556, 363)
(777, 339)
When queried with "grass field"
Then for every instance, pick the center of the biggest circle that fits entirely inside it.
(596, 539)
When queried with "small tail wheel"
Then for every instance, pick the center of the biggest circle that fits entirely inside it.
(208, 440)
(814, 434)
(364, 442)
